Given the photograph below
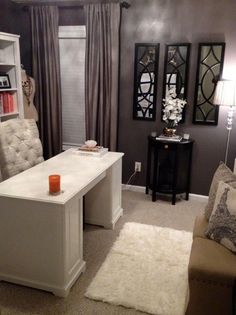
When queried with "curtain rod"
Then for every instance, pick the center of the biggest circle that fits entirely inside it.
(69, 4)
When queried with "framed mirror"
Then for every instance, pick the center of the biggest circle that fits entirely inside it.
(209, 70)
(145, 81)
(176, 70)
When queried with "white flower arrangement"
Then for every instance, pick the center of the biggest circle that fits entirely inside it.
(173, 108)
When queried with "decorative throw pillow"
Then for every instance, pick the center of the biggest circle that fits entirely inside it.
(226, 175)
(222, 223)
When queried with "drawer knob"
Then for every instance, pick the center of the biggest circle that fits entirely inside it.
(166, 146)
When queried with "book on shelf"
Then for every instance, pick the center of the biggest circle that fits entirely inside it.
(174, 138)
(90, 149)
(1, 103)
(7, 103)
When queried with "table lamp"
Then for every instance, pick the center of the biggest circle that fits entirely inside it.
(225, 95)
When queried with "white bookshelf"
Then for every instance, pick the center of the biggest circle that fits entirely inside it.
(10, 64)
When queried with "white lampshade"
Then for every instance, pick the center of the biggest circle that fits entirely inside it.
(225, 93)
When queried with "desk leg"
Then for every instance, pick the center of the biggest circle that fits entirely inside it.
(103, 202)
(148, 168)
(44, 247)
(154, 179)
(174, 179)
(83, 212)
(74, 264)
(187, 196)
(173, 199)
(189, 172)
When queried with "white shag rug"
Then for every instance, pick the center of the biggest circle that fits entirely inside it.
(146, 269)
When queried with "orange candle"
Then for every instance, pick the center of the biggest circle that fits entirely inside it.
(54, 184)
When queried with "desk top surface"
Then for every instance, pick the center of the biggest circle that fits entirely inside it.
(77, 172)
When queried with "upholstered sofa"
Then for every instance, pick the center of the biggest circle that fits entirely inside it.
(20, 146)
(212, 272)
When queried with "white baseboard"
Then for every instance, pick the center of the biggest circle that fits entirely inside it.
(142, 190)
(133, 188)
(198, 197)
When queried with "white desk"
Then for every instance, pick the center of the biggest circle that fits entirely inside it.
(41, 236)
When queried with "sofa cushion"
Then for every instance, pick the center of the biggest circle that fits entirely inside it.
(222, 223)
(223, 173)
(200, 226)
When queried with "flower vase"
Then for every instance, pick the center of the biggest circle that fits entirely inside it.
(169, 132)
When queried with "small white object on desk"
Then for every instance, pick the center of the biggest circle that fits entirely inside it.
(186, 136)
(91, 143)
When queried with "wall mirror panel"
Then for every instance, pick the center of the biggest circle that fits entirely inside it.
(145, 81)
(209, 70)
(176, 70)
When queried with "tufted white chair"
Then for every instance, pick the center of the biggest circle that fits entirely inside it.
(20, 146)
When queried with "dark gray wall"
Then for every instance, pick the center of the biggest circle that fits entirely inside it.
(166, 21)
(157, 21)
(13, 19)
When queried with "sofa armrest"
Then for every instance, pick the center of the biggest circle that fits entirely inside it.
(212, 273)
(200, 226)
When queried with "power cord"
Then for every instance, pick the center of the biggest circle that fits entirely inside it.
(130, 178)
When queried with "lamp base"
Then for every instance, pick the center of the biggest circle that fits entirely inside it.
(230, 117)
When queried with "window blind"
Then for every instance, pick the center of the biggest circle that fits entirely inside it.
(72, 66)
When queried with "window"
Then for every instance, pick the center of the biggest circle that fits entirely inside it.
(72, 40)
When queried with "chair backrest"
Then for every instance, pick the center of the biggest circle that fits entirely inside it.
(20, 146)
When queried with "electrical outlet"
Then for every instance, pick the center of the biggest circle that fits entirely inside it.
(137, 166)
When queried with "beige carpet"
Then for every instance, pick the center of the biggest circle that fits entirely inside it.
(146, 269)
(138, 207)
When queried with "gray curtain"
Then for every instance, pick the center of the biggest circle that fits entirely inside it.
(46, 72)
(101, 73)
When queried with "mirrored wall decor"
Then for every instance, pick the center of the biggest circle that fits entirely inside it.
(176, 69)
(145, 81)
(209, 70)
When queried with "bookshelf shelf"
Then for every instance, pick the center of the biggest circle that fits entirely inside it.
(10, 64)
(8, 90)
(2, 64)
(6, 67)
(9, 114)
